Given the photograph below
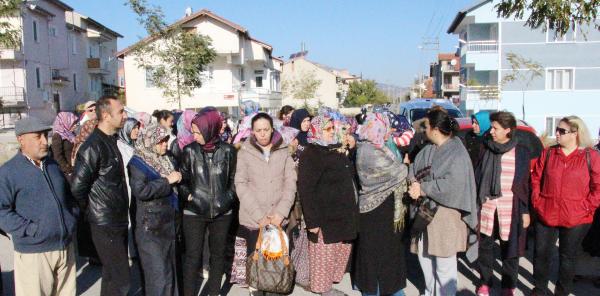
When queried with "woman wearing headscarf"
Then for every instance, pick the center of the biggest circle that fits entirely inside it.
(184, 133)
(474, 138)
(63, 138)
(126, 139)
(328, 196)
(379, 267)
(265, 180)
(208, 169)
(503, 191)
(442, 176)
(300, 120)
(152, 177)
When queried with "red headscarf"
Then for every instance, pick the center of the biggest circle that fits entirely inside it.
(209, 123)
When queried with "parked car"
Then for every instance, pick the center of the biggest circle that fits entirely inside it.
(416, 109)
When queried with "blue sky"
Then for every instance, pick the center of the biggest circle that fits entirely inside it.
(378, 38)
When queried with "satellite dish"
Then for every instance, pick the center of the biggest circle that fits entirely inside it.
(453, 62)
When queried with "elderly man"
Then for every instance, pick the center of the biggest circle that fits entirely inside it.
(36, 209)
(99, 187)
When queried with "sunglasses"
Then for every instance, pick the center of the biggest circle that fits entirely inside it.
(562, 131)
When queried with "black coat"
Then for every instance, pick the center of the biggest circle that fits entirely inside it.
(474, 145)
(99, 181)
(327, 193)
(209, 179)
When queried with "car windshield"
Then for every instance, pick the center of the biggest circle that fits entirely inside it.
(416, 114)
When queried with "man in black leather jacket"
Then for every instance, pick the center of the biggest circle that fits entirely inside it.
(99, 187)
(207, 168)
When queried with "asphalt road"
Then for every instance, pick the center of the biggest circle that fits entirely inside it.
(89, 277)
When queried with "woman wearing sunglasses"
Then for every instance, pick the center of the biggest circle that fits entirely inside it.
(565, 193)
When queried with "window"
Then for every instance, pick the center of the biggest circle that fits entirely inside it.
(74, 44)
(150, 77)
(242, 78)
(552, 36)
(260, 72)
(52, 31)
(559, 79)
(121, 81)
(55, 73)
(35, 32)
(551, 124)
(259, 81)
(211, 71)
(75, 81)
(38, 78)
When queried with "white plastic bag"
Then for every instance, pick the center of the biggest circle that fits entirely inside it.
(271, 246)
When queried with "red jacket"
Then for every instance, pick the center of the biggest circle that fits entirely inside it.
(569, 195)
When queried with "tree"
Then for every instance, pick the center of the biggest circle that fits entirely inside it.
(10, 37)
(364, 92)
(175, 57)
(303, 87)
(522, 70)
(561, 15)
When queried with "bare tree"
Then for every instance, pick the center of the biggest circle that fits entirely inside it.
(524, 71)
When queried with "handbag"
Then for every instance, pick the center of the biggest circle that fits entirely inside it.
(300, 258)
(424, 208)
(270, 275)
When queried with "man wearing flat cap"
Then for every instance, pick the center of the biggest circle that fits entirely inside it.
(36, 209)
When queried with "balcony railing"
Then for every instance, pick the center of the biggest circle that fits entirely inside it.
(449, 68)
(12, 96)
(483, 92)
(482, 46)
(450, 86)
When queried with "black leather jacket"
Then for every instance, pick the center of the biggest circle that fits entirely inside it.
(209, 179)
(99, 181)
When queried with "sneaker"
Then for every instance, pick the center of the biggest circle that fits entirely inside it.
(508, 292)
(483, 290)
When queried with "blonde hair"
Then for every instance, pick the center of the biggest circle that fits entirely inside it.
(584, 140)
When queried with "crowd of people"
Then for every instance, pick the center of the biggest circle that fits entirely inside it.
(354, 194)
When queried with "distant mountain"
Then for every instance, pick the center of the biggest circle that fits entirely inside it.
(394, 92)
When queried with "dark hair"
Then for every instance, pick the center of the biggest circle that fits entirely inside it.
(505, 120)
(285, 110)
(162, 114)
(262, 115)
(439, 118)
(103, 105)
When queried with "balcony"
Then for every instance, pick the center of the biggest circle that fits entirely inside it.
(450, 87)
(449, 68)
(97, 66)
(11, 96)
(58, 79)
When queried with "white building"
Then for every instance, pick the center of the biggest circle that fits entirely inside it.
(244, 69)
(54, 68)
(334, 84)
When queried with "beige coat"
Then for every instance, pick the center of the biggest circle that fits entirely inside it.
(446, 234)
(264, 187)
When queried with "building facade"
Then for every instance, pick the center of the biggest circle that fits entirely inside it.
(244, 69)
(333, 87)
(570, 69)
(50, 71)
(446, 76)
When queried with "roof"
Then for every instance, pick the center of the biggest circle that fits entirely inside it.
(61, 4)
(193, 16)
(446, 56)
(101, 26)
(462, 13)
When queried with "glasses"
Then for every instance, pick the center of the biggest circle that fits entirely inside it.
(562, 131)
(328, 129)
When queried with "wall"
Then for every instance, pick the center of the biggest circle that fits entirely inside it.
(326, 92)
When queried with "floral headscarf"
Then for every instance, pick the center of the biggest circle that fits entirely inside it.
(250, 107)
(144, 118)
(244, 129)
(288, 133)
(145, 150)
(184, 129)
(63, 125)
(315, 132)
(374, 129)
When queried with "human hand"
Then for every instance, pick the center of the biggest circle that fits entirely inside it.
(414, 190)
(526, 220)
(174, 177)
(276, 219)
(264, 221)
(315, 230)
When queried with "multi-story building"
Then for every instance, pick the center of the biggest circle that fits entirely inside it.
(50, 72)
(570, 65)
(446, 79)
(244, 69)
(333, 87)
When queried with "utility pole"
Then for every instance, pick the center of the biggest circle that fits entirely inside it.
(427, 44)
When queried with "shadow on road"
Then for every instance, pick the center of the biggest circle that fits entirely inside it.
(8, 283)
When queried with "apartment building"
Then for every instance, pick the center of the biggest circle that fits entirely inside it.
(446, 76)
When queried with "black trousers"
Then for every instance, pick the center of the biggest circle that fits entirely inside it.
(156, 250)
(111, 243)
(510, 266)
(194, 229)
(569, 247)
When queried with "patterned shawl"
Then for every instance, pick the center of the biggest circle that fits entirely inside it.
(63, 125)
(144, 149)
(374, 129)
(184, 129)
